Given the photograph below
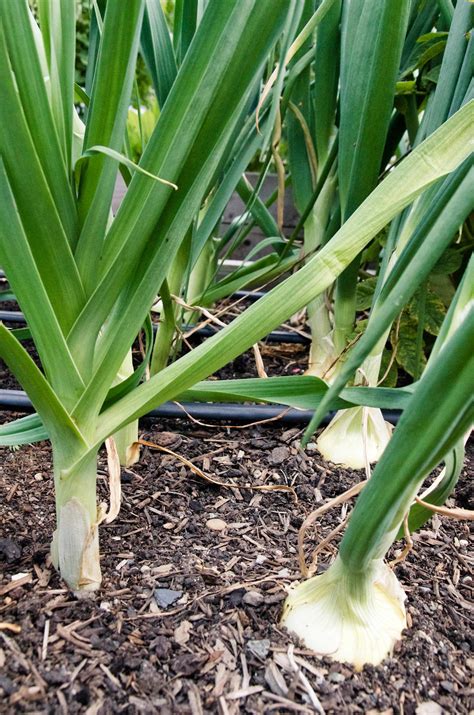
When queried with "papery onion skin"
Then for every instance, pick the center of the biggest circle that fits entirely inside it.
(349, 617)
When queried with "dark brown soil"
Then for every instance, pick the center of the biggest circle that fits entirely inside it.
(218, 648)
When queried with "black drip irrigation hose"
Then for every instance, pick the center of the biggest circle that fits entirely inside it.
(18, 401)
(277, 336)
(12, 316)
(249, 294)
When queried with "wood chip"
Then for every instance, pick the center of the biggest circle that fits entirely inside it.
(12, 627)
(216, 524)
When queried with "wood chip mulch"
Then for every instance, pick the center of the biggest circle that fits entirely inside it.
(194, 580)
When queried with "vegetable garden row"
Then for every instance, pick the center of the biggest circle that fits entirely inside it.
(365, 109)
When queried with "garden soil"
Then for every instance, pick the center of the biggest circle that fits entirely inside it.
(194, 578)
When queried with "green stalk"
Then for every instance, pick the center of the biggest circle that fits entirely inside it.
(126, 439)
(165, 332)
(75, 546)
(373, 39)
(419, 443)
(170, 315)
(323, 354)
(200, 277)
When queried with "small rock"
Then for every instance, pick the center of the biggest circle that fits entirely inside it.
(7, 685)
(166, 439)
(336, 677)
(253, 598)
(289, 434)
(55, 677)
(165, 597)
(260, 648)
(38, 477)
(216, 524)
(470, 663)
(447, 686)
(279, 455)
(9, 550)
(429, 708)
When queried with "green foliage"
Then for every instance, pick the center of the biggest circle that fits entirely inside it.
(365, 293)
(434, 310)
(405, 345)
(388, 369)
(148, 118)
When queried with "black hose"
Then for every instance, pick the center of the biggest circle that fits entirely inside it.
(16, 400)
(249, 294)
(12, 316)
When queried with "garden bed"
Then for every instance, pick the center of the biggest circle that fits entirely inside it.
(217, 647)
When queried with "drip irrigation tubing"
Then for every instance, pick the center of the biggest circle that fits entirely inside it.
(18, 401)
(276, 336)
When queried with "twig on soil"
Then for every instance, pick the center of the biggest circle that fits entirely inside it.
(245, 426)
(322, 544)
(22, 581)
(315, 702)
(24, 662)
(408, 544)
(259, 361)
(5, 626)
(44, 647)
(217, 482)
(311, 518)
(457, 513)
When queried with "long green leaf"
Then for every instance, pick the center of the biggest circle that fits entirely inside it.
(18, 261)
(422, 438)
(370, 58)
(189, 158)
(105, 126)
(438, 110)
(47, 238)
(301, 391)
(437, 156)
(58, 26)
(30, 85)
(326, 81)
(56, 419)
(157, 50)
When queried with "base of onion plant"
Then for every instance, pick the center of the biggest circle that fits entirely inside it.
(322, 361)
(323, 357)
(354, 611)
(355, 437)
(75, 544)
(347, 615)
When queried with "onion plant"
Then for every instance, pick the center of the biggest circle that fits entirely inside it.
(86, 281)
(355, 611)
(354, 118)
